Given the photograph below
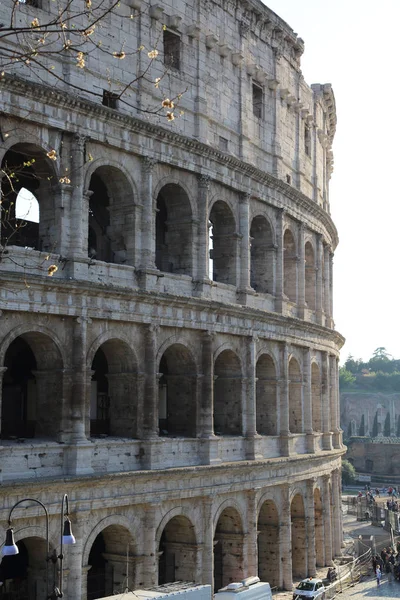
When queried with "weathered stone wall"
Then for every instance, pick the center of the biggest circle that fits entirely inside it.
(178, 374)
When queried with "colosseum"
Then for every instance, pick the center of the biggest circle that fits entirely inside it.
(177, 376)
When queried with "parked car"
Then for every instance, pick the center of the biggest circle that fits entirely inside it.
(309, 589)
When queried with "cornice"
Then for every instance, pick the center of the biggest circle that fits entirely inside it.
(47, 95)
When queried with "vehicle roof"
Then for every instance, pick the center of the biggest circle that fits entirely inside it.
(312, 579)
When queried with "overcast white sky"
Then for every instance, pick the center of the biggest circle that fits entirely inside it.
(355, 45)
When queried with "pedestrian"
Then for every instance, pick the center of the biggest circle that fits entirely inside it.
(374, 564)
(378, 575)
(390, 572)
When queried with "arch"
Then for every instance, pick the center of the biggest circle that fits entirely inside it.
(262, 256)
(177, 551)
(174, 230)
(223, 243)
(32, 387)
(316, 397)
(182, 183)
(319, 529)
(227, 394)
(295, 397)
(299, 540)
(228, 548)
(269, 543)
(310, 276)
(111, 215)
(111, 558)
(24, 575)
(266, 396)
(33, 171)
(177, 411)
(113, 399)
(290, 266)
(42, 339)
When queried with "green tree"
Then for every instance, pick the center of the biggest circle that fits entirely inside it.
(346, 378)
(348, 473)
(362, 426)
(386, 429)
(375, 426)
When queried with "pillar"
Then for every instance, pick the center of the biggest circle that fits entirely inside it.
(301, 298)
(79, 209)
(307, 391)
(326, 422)
(2, 372)
(331, 288)
(75, 580)
(279, 260)
(337, 511)
(310, 528)
(203, 191)
(335, 403)
(208, 542)
(327, 303)
(284, 401)
(251, 549)
(285, 540)
(150, 407)
(318, 303)
(244, 228)
(327, 514)
(148, 234)
(149, 575)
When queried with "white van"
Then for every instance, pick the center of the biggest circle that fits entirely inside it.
(248, 589)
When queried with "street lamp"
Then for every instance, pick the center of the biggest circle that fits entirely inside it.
(66, 538)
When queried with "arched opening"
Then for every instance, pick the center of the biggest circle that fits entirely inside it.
(113, 400)
(295, 397)
(262, 255)
(177, 393)
(319, 529)
(290, 266)
(31, 404)
(224, 246)
(299, 539)
(268, 544)
(310, 276)
(111, 217)
(174, 226)
(24, 575)
(316, 398)
(28, 186)
(266, 396)
(227, 394)
(228, 549)
(111, 563)
(177, 552)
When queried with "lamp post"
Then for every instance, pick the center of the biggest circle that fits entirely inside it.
(66, 538)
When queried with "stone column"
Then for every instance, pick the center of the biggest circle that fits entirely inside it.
(318, 304)
(308, 421)
(251, 551)
(285, 540)
(208, 542)
(327, 301)
(207, 405)
(301, 299)
(326, 502)
(326, 423)
(150, 559)
(250, 395)
(150, 408)
(331, 287)
(334, 401)
(284, 401)
(244, 228)
(148, 235)
(203, 229)
(79, 210)
(75, 581)
(2, 372)
(279, 260)
(310, 525)
(337, 512)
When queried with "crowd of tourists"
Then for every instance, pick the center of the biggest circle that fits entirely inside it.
(387, 562)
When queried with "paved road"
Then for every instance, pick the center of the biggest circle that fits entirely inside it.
(369, 590)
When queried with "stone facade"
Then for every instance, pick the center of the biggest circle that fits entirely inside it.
(178, 375)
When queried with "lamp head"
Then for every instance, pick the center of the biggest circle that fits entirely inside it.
(68, 537)
(10, 548)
